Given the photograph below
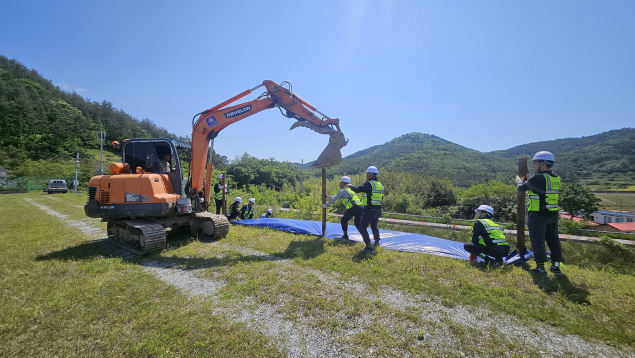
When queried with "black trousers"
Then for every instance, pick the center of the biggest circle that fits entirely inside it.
(544, 229)
(370, 216)
(355, 211)
(497, 252)
(219, 205)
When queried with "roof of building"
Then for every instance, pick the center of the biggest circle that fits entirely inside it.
(577, 218)
(623, 226)
(614, 213)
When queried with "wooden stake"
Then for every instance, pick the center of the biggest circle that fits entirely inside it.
(520, 210)
(323, 201)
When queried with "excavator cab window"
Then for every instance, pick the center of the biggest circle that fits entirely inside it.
(138, 154)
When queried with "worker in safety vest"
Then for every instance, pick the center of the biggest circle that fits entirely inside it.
(268, 214)
(218, 192)
(352, 203)
(247, 212)
(372, 194)
(487, 238)
(543, 189)
(234, 212)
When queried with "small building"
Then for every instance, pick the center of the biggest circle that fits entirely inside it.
(577, 219)
(607, 217)
(620, 227)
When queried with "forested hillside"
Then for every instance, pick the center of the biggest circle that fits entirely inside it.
(428, 154)
(40, 121)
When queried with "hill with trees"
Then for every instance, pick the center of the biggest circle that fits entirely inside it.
(41, 122)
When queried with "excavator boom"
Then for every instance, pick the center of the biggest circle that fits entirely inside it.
(211, 121)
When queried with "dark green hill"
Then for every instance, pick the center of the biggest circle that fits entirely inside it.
(40, 121)
(430, 155)
(602, 158)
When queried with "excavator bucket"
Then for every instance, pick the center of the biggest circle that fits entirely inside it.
(331, 155)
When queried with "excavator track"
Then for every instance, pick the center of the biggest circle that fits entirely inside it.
(137, 236)
(210, 226)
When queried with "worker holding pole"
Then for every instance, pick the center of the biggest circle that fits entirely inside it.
(218, 192)
(543, 190)
(372, 194)
(352, 203)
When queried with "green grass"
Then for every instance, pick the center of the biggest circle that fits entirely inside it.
(63, 295)
(617, 201)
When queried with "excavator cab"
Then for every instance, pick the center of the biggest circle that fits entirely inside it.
(156, 155)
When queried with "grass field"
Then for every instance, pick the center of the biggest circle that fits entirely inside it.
(615, 201)
(64, 294)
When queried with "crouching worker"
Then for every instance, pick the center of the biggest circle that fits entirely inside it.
(372, 195)
(487, 238)
(354, 208)
(268, 214)
(247, 211)
(234, 211)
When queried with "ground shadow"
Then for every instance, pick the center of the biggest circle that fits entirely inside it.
(82, 252)
(304, 249)
(560, 284)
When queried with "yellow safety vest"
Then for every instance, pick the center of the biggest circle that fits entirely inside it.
(376, 196)
(551, 195)
(494, 231)
(351, 201)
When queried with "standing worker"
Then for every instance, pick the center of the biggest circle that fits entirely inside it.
(247, 211)
(487, 237)
(218, 192)
(352, 203)
(234, 212)
(544, 188)
(372, 189)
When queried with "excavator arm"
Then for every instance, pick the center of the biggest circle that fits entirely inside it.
(211, 121)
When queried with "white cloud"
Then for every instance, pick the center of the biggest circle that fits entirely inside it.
(80, 89)
(63, 86)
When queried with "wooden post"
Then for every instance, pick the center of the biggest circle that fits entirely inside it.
(520, 210)
(323, 201)
(222, 189)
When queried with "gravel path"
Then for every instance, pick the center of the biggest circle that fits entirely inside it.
(300, 336)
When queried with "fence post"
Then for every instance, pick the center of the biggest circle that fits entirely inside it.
(520, 210)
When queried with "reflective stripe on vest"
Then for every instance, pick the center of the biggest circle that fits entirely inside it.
(377, 194)
(249, 211)
(219, 195)
(552, 191)
(494, 231)
(352, 200)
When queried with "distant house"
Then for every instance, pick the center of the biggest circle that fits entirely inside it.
(613, 227)
(607, 217)
(577, 218)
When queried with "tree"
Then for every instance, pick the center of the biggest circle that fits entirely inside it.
(576, 199)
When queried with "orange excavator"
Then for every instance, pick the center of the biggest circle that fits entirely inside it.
(146, 192)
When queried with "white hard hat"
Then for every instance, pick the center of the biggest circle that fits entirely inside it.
(269, 210)
(544, 155)
(221, 176)
(345, 179)
(238, 199)
(372, 170)
(485, 208)
(252, 200)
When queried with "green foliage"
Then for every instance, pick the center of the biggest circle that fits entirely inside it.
(575, 198)
(249, 170)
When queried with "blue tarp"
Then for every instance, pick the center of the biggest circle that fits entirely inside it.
(392, 240)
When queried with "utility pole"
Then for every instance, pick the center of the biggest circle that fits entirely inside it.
(520, 210)
(102, 136)
(76, 182)
(301, 175)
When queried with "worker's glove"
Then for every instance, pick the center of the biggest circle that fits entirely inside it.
(324, 206)
(519, 181)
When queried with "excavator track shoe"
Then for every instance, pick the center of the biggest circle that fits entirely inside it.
(137, 236)
(209, 226)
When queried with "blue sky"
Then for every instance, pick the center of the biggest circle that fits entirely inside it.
(487, 75)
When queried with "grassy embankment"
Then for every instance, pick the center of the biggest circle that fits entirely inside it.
(66, 296)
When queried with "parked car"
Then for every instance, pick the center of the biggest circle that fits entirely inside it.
(57, 186)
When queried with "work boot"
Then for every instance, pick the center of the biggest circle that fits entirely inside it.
(376, 243)
(473, 257)
(369, 249)
(344, 237)
(539, 271)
